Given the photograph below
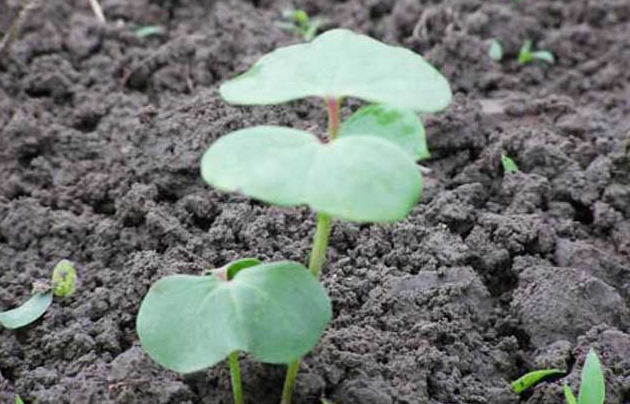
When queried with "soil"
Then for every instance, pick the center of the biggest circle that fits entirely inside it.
(491, 275)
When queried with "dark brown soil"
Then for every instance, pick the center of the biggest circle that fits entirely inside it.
(492, 275)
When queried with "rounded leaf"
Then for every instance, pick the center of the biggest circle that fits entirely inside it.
(340, 63)
(64, 278)
(275, 311)
(399, 126)
(356, 178)
(28, 312)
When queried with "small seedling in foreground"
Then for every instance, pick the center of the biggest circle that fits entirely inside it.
(298, 22)
(18, 400)
(592, 385)
(365, 172)
(63, 284)
(526, 55)
(496, 50)
(532, 378)
(509, 166)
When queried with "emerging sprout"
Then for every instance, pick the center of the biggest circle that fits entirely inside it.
(532, 378)
(526, 55)
(592, 387)
(509, 166)
(299, 22)
(63, 284)
(496, 50)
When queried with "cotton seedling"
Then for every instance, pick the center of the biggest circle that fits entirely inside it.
(592, 384)
(365, 171)
(495, 51)
(509, 166)
(527, 55)
(18, 400)
(62, 284)
(532, 378)
(299, 22)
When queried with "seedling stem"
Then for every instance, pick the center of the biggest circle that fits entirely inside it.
(235, 372)
(320, 244)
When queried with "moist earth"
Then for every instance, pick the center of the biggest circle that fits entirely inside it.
(490, 276)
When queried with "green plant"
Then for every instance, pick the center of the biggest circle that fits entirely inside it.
(299, 22)
(526, 55)
(63, 284)
(509, 166)
(495, 51)
(149, 30)
(18, 400)
(532, 378)
(365, 172)
(592, 386)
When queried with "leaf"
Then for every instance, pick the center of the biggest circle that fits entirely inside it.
(28, 312)
(509, 166)
(593, 386)
(496, 50)
(149, 30)
(401, 127)
(356, 178)
(544, 55)
(337, 64)
(64, 279)
(324, 401)
(525, 54)
(275, 311)
(568, 394)
(18, 400)
(235, 267)
(531, 378)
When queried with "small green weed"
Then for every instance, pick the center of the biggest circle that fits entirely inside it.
(526, 55)
(509, 166)
(63, 284)
(299, 22)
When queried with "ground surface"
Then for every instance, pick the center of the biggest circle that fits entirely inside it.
(489, 277)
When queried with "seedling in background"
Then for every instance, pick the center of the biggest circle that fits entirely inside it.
(532, 378)
(495, 52)
(592, 385)
(509, 166)
(149, 30)
(365, 172)
(63, 284)
(526, 55)
(298, 22)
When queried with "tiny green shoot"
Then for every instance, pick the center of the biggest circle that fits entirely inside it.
(364, 172)
(592, 386)
(527, 55)
(149, 30)
(299, 22)
(63, 284)
(324, 401)
(18, 400)
(509, 166)
(495, 52)
(532, 378)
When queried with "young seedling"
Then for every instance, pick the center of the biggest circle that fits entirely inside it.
(275, 312)
(592, 387)
(365, 172)
(298, 22)
(149, 30)
(532, 378)
(495, 52)
(18, 400)
(509, 166)
(526, 55)
(63, 284)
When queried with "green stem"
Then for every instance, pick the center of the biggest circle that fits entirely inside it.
(318, 251)
(235, 372)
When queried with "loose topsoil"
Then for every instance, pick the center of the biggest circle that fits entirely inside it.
(492, 275)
